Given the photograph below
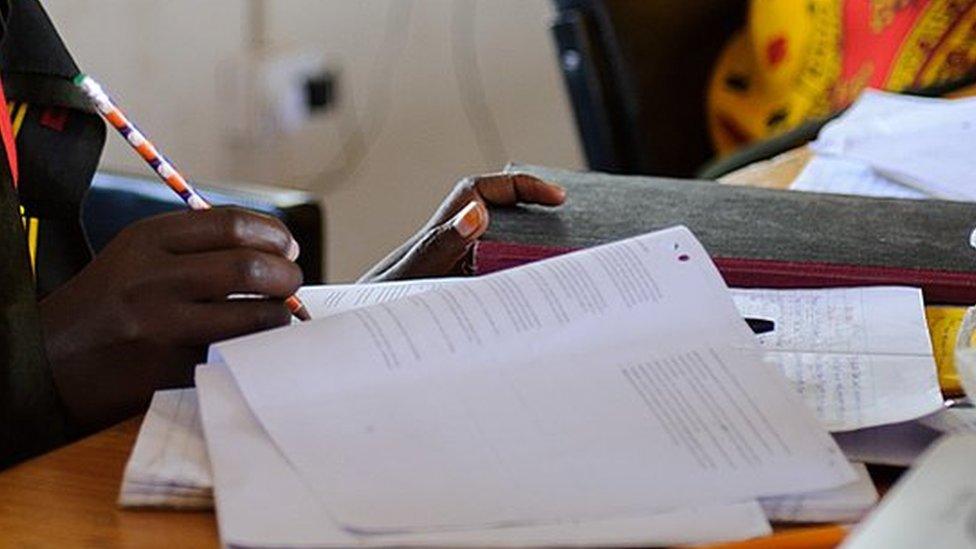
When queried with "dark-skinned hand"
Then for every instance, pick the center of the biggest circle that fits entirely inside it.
(140, 316)
(442, 247)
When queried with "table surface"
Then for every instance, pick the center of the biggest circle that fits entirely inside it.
(68, 497)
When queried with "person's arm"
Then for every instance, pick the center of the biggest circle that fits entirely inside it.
(443, 245)
(139, 317)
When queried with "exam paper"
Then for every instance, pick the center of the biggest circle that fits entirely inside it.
(581, 387)
(860, 357)
(933, 505)
(845, 504)
(261, 501)
(169, 467)
(864, 313)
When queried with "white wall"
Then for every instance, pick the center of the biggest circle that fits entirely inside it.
(161, 58)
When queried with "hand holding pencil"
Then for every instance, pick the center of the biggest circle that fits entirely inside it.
(161, 166)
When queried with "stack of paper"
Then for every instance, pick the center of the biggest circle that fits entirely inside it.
(262, 501)
(162, 429)
(581, 399)
(899, 146)
(845, 504)
(610, 397)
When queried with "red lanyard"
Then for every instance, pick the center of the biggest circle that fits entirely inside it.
(7, 133)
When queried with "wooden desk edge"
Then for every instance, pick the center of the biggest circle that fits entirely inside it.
(68, 498)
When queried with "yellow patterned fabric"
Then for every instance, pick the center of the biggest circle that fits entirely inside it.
(798, 60)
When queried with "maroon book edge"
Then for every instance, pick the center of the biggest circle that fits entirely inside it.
(942, 287)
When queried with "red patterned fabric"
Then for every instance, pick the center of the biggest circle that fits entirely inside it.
(939, 287)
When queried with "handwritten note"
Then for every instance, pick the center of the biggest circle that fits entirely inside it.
(860, 357)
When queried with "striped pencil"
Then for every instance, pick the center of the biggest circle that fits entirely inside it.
(163, 168)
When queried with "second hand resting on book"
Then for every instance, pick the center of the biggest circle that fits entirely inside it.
(442, 246)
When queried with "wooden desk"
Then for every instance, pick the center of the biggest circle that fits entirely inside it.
(776, 173)
(67, 499)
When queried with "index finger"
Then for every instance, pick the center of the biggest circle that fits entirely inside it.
(222, 229)
(509, 189)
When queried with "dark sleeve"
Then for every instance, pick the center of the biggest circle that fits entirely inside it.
(31, 420)
(56, 163)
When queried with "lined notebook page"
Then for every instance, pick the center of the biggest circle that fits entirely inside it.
(860, 357)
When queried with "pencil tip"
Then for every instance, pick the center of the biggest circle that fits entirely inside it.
(302, 314)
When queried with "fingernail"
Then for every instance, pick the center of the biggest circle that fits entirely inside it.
(469, 220)
(293, 250)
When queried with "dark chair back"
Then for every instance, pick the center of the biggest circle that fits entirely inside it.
(637, 72)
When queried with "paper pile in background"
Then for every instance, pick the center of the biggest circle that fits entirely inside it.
(899, 146)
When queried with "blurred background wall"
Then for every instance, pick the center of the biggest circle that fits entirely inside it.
(414, 112)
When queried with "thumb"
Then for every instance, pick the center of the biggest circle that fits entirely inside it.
(442, 249)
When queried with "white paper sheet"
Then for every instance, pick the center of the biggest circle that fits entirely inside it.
(953, 421)
(261, 501)
(581, 387)
(845, 504)
(901, 444)
(933, 505)
(920, 142)
(169, 466)
(898, 444)
(860, 357)
(329, 299)
(831, 174)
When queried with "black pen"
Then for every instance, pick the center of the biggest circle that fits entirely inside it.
(760, 325)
